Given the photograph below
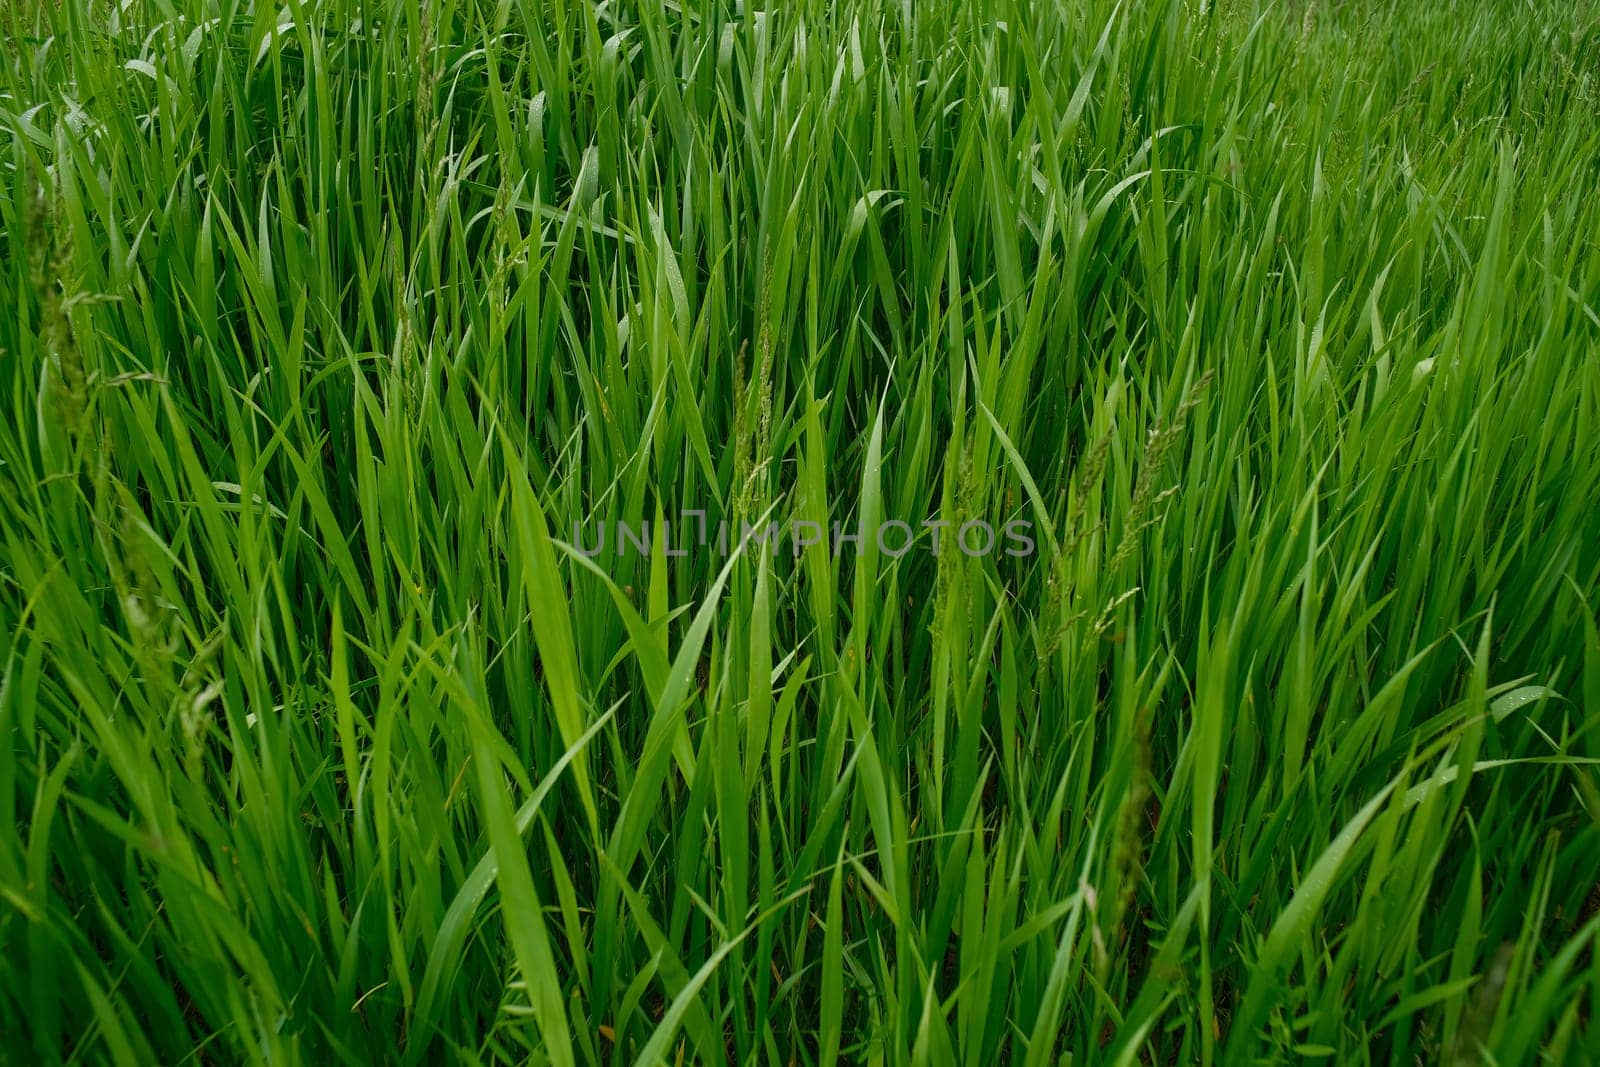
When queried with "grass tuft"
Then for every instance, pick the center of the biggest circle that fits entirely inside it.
(341, 339)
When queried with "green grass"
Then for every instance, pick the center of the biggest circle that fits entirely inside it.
(324, 322)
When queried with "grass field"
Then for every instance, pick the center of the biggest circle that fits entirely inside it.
(335, 334)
